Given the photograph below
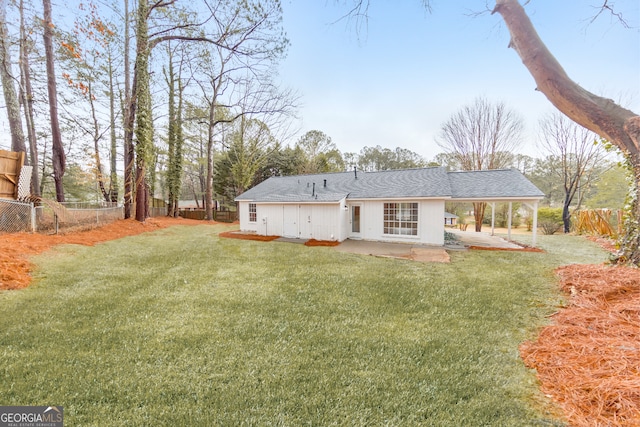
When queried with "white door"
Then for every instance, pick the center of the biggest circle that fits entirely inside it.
(305, 222)
(290, 221)
(354, 219)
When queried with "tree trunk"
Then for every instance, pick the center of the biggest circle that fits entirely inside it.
(99, 172)
(27, 99)
(129, 115)
(566, 216)
(58, 157)
(178, 153)
(630, 242)
(113, 179)
(8, 86)
(172, 170)
(208, 192)
(144, 122)
(618, 125)
(478, 215)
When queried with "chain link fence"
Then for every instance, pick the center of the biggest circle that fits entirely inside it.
(16, 216)
(53, 217)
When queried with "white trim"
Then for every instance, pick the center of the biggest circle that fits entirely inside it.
(493, 218)
(509, 221)
(534, 229)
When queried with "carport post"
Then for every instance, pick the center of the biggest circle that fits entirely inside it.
(535, 223)
(493, 217)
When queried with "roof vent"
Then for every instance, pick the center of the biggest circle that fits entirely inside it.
(325, 183)
(355, 172)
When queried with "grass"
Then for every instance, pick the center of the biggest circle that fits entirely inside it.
(179, 327)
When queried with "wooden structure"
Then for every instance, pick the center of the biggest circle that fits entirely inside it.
(11, 163)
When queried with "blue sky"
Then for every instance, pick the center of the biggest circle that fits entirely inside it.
(408, 71)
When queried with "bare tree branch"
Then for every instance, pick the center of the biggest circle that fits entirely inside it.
(606, 7)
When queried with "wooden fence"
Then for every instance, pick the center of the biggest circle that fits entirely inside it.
(200, 214)
(10, 164)
(599, 222)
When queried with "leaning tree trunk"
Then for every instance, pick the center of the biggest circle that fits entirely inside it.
(99, 170)
(618, 125)
(58, 156)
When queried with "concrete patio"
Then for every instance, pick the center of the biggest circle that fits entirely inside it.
(425, 253)
(482, 239)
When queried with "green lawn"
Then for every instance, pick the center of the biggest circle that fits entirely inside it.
(179, 327)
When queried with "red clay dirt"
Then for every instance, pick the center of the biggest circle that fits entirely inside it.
(16, 248)
(522, 249)
(247, 236)
(587, 360)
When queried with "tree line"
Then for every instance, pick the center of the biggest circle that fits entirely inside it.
(109, 91)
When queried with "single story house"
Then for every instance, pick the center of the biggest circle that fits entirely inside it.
(450, 219)
(392, 206)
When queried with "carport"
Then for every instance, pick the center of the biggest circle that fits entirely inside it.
(466, 188)
(530, 204)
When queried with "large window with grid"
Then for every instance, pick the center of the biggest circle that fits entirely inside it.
(401, 219)
(252, 212)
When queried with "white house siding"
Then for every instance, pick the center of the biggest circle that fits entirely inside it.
(243, 216)
(344, 221)
(431, 213)
(430, 225)
(304, 221)
(333, 221)
(270, 221)
(319, 221)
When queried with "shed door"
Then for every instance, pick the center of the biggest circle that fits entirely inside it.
(305, 224)
(290, 221)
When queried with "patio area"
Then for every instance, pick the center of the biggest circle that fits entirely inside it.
(425, 253)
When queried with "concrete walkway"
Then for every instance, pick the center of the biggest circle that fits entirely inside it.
(417, 252)
(421, 253)
(425, 253)
(482, 239)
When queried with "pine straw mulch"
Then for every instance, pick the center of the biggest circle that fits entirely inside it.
(16, 248)
(588, 360)
(314, 242)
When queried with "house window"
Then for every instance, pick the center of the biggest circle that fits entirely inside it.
(252, 212)
(401, 219)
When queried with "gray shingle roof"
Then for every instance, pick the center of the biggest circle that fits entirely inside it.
(433, 182)
(497, 183)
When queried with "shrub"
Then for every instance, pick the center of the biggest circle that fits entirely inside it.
(550, 220)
